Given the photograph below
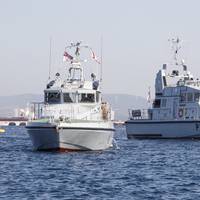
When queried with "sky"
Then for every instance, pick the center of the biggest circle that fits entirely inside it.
(135, 40)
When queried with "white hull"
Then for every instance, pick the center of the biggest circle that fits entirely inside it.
(70, 137)
(163, 129)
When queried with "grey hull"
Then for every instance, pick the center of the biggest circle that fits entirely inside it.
(44, 138)
(163, 129)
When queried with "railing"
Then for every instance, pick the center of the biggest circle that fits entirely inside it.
(35, 110)
(182, 113)
(195, 83)
(39, 110)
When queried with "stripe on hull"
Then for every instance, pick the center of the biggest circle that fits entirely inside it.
(160, 122)
(60, 149)
(146, 136)
(74, 128)
(85, 128)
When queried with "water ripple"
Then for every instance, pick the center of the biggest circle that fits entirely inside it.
(140, 169)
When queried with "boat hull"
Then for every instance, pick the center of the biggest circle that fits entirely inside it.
(163, 129)
(70, 138)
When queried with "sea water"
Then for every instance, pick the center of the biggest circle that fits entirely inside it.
(137, 169)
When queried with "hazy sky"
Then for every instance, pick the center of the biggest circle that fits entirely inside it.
(135, 35)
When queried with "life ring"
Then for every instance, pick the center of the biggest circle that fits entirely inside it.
(180, 112)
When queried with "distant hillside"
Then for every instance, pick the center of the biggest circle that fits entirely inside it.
(8, 104)
(119, 102)
(19, 100)
(122, 102)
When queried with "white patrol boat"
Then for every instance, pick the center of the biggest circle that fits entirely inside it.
(175, 112)
(72, 116)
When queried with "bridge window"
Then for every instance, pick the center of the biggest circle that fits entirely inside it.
(183, 97)
(156, 103)
(190, 97)
(52, 97)
(86, 98)
(196, 97)
(164, 103)
(69, 97)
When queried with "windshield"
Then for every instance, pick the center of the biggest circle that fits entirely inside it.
(69, 97)
(52, 97)
(86, 98)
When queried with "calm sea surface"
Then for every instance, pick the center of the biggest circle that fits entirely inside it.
(137, 169)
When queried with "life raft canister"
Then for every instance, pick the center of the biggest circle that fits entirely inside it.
(105, 111)
(180, 112)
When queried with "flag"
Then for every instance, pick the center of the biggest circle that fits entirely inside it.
(67, 57)
(95, 57)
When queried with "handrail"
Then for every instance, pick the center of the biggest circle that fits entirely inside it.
(148, 114)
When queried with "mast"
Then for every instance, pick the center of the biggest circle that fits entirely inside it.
(76, 61)
(175, 48)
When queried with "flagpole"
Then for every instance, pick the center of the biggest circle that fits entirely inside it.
(50, 44)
